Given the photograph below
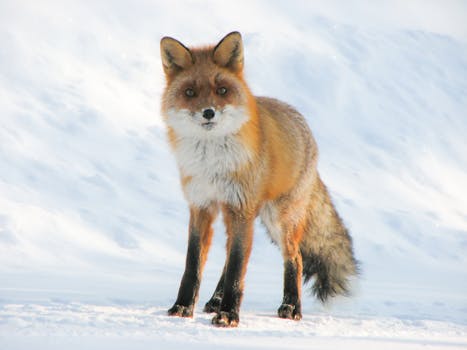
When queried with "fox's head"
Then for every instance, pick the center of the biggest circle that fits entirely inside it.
(205, 95)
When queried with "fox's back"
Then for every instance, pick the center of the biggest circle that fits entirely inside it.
(288, 145)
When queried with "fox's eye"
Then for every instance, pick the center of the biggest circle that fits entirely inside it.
(221, 91)
(190, 92)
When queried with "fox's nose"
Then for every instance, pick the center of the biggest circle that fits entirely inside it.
(208, 113)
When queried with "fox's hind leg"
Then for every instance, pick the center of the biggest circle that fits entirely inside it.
(286, 232)
(291, 303)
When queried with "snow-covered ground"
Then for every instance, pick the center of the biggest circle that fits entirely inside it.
(92, 219)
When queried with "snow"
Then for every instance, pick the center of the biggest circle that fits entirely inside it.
(92, 219)
(140, 326)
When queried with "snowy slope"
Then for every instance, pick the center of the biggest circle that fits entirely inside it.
(92, 219)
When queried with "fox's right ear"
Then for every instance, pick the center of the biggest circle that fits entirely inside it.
(229, 52)
(175, 56)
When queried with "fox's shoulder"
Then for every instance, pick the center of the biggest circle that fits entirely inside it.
(274, 106)
(283, 117)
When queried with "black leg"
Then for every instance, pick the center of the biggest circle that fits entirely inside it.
(239, 242)
(291, 304)
(198, 244)
(214, 304)
(189, 286)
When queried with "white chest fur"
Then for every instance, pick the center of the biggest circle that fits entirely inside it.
(209, 164)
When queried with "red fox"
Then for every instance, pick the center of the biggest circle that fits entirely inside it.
(247, 156)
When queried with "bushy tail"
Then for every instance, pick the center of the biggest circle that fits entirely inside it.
(326, 248)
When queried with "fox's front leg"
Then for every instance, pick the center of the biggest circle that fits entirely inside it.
(214, 304)
(200, 236)
(239, 241)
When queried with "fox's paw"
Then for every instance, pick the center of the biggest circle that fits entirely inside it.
(226, 319)
(290, 312)
(181, 311)
(213, 305)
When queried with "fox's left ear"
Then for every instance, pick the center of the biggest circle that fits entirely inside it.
(175, 56)
(229, 52)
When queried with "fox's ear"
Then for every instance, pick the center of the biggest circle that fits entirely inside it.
(175, 56)
(229, 52)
